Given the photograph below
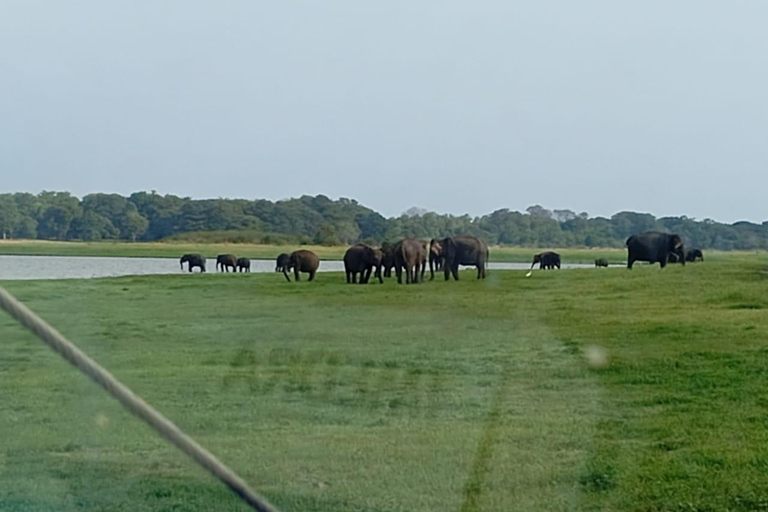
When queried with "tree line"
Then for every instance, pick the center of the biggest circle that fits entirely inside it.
(150, 216)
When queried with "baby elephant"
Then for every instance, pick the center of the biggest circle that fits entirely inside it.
(243, 265)
(601, 262)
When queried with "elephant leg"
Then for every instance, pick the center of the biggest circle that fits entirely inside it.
(349, 277)
(455, 272)
(311, 275)
(378, 275)
(479, 271)
(285, 273)
(296, 275)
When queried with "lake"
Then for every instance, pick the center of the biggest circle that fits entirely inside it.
(81, 267)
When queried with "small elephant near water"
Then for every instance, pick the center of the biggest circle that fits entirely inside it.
(301, 261)
(243, 265)
(193, 260)
(601, 262)
(281, 262)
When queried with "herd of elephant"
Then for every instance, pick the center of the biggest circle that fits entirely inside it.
(409, 256)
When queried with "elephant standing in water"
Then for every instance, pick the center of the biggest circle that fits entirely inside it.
(362, 259)
(409, 253)
(193, 260)
(435, 257)
(225, 262)
(694, 255)
(301, 261)
(655, 247)
(281, 262)
(546, 260)
(463, 250)
(243, 265)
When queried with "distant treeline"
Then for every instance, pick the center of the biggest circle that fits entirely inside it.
(320, 220)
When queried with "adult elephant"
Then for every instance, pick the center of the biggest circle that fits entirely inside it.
(193, 260)
(225, 262)
(301, 261)
(387, 259)
(243, 265)
(435, 257)
(281, 262)
(409, 255)
(464, 250)
(694, 255)
(362, 259)
(655, 247)
(546, 260)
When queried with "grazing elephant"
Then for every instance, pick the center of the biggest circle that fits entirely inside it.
(193, 260)
(601, 262)
(243, 265)
(387, 259)
(655, 247)
(409, 254)
(546, 260)
(281, 262)
(463, 250)
(362, 259)
(694, 255)
(301, 261)
(225, 262)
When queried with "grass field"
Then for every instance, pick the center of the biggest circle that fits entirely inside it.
(571, 390)
(210, 250)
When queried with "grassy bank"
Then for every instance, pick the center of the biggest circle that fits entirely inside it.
(176, 249)
(571, 390)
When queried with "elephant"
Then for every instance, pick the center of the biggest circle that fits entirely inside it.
(301, 261)
(362, 259)
(409, 253)
(546, 260)
(601, 262)
(281, 262)
(387, 259)
(193, 260)
(463, 250)
(243, 265)
(224, 262)
(694, 255)
(655, 247)
(435, 257)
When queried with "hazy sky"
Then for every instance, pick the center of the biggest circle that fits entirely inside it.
(460, 107)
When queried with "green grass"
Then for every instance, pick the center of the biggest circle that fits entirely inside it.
(173, 249)
(468, 396)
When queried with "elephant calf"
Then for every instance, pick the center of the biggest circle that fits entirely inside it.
(281, 262)
(243, 265)
(225, 262)
(694, 255)
(601, 262)
(302, 261)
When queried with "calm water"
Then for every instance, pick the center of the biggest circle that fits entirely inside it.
(78, 267)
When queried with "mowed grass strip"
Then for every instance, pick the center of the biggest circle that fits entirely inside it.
(442, 396)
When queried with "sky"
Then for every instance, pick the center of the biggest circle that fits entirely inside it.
(453, 106)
